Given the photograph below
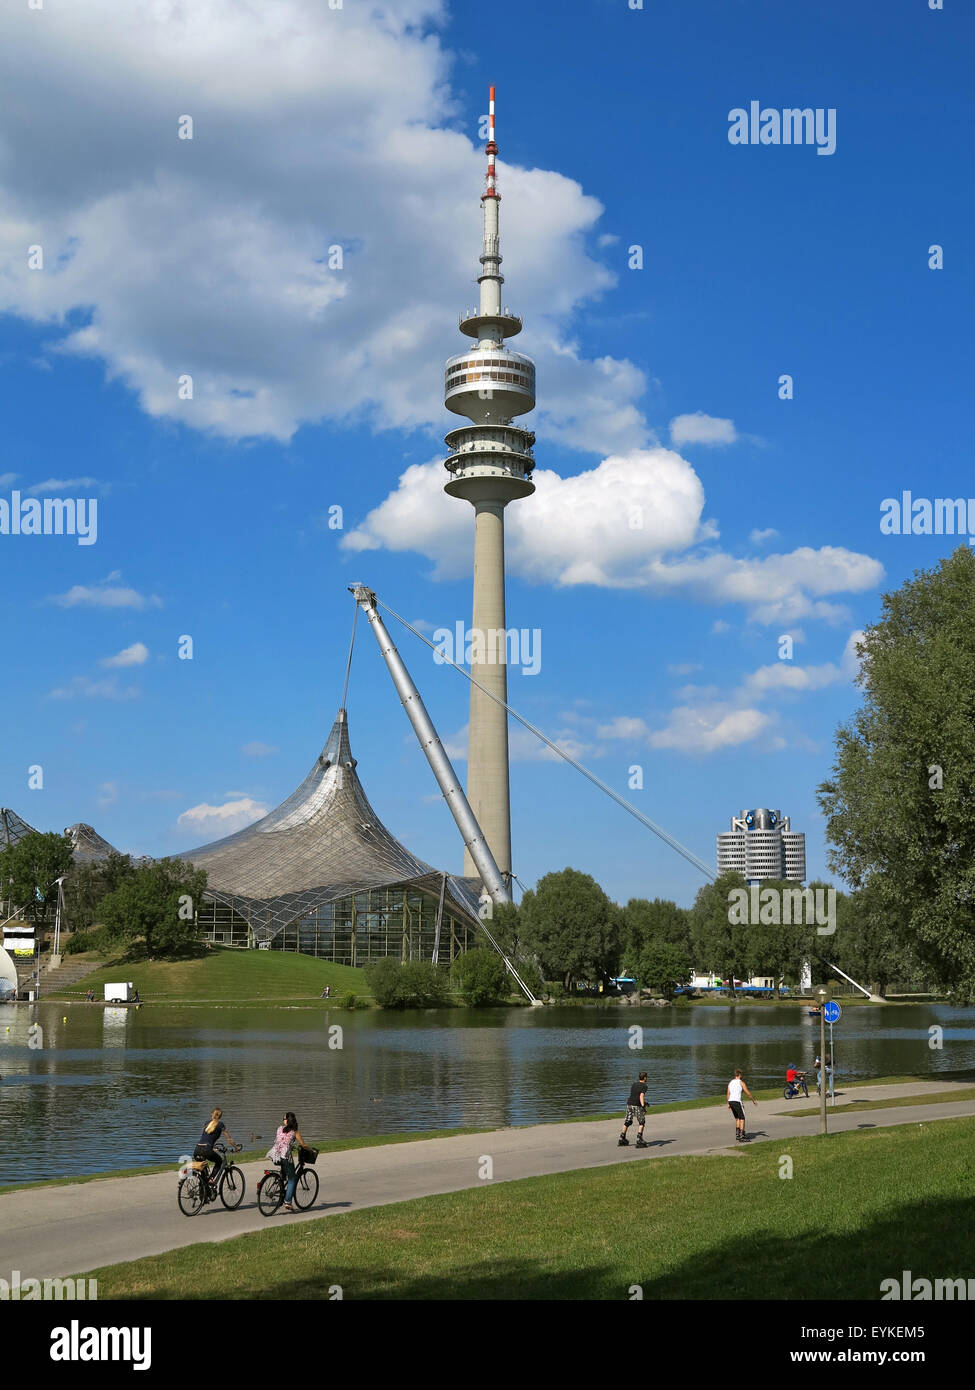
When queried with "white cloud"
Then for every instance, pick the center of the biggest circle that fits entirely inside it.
(776, 588)
(136, 655)
(218, 821)
(614, 527)
(705, 729)
(104, 595)
(849, 661)
(699, 693)
(107, 795)
(313, 128)
(785, 675)
(719, 626)
(598, 527)
(62, 485)
(7, 478)
(701, 429)
(760, 537)
(106, 689)
(623, 726)
(257, 749)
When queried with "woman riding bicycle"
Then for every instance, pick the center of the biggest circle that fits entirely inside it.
(281, 1151)
(205, 1151)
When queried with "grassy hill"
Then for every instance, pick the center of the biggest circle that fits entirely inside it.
(222, 975)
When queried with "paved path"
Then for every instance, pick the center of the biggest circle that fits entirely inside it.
(58, 1231)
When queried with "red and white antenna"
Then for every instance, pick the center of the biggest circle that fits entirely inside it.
(491, 149)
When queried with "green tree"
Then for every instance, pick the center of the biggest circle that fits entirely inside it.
(507, 927)
(410, 984)
(659, 921)
(774, 946)
(572, 927)
(662, 967)
(88, 883)
(900, 803)
(29, 870)
(718, 944)
(425, 985)
(865, 946)
(481, 977)
(383, 979)
(156, 904)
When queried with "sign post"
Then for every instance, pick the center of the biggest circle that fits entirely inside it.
(822, 1064)
(832, 1014)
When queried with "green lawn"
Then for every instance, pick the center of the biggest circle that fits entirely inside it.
(223, 975)
(934, 1098)
(696, 1228)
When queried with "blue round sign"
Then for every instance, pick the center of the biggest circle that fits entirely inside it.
(831, 1012)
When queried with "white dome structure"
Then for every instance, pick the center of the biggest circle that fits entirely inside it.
(8, 974)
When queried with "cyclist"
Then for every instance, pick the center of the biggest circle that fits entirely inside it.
(205, 1150)
(282, 1150)
(797, 1080)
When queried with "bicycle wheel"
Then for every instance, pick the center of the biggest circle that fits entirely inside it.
(306, 1189)
(787, 1093)
(191, 1195)
(232, 1188)
(270, 1194)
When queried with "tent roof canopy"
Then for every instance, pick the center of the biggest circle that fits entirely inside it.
(323, 842)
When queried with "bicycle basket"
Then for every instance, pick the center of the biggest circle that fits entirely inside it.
(307, 1156)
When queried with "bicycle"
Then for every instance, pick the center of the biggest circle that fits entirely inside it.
(197, 1188)
(796, 1088)
(270, 1190)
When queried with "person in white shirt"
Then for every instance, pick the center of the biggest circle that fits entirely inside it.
(735, 1088)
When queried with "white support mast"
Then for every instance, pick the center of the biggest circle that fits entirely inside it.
(436, 755)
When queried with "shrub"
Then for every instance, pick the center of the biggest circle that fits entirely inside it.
(411, 984)
(350, 1001)
(383, 979)
(481, 977)
(84, 941)
(424, 984)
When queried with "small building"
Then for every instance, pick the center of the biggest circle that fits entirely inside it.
(756, 983)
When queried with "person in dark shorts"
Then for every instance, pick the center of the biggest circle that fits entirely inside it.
(636, 1109)
(735, 1088)
(214, 1130)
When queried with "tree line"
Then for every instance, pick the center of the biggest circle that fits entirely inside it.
(148, 903)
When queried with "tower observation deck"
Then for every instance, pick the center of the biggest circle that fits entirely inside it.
(490, 464)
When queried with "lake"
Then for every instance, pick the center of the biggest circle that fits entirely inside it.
(119, 1088)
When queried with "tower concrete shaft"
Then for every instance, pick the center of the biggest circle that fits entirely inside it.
(487, 742)
(490, 464)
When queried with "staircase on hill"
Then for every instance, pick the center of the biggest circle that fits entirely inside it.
(62, 977)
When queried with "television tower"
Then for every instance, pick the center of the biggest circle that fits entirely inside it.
(490, 465)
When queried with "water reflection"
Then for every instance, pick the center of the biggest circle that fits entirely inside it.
(115, 1088)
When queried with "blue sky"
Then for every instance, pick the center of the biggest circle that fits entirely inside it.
(315, 388)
